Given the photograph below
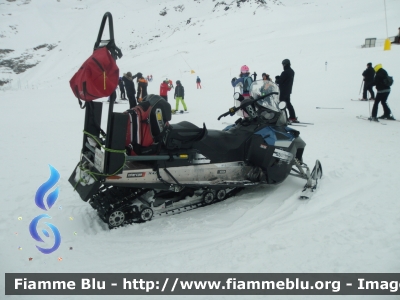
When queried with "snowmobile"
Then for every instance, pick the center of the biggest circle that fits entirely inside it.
(186, 166)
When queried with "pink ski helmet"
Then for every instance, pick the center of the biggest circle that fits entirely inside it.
(244, 69)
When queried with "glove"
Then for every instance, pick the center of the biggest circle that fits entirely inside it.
(234, 79)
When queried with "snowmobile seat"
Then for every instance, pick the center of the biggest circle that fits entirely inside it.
(183, 134)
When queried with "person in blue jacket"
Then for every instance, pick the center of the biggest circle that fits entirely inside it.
(243, 82)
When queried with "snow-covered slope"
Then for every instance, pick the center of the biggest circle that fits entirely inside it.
(351, 225)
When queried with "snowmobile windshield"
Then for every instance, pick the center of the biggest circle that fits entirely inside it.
(260, 88)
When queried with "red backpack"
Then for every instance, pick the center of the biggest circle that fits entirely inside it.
(96, 78)
(146, 125)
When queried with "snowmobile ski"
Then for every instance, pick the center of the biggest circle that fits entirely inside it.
(367, 119)
(312, 184)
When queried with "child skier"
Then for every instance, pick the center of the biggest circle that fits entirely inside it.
(198, 82)
(244, 81)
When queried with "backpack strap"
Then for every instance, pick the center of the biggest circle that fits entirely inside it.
(79, 100)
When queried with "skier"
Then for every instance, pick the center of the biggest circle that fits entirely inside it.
(382, 94)
(130, 88)
(142, 87)
(198, 82)
(179, 95)
(285, 82)
(164, 89)
(368, 75)
(122, 88)
(244, 81)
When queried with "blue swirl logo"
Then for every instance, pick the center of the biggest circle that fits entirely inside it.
(40, 202)
(45, 187)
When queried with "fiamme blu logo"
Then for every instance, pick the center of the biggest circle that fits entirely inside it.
(46, 205)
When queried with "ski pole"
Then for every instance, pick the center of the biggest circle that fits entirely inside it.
(330, 107)
(369, 105)
(361, 86)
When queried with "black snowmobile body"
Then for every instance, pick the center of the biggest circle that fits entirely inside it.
(192, 166)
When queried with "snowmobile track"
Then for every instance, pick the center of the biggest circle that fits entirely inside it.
(120, 199)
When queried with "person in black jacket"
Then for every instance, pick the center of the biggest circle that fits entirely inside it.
(179, 95)
(382, 94)
(285, 82)
(130, 88)
(122, 88)
(368, 75)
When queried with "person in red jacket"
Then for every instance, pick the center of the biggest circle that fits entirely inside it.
(164, 89)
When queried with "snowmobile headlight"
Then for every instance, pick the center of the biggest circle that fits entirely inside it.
(183, 156)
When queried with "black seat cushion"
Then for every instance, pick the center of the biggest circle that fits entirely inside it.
(183, 134)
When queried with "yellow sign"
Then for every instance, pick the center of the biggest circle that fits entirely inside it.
(388, 45)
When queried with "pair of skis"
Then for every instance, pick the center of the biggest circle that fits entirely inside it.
(368, 119)
(302, 124)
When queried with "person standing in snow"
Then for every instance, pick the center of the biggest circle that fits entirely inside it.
(179, 95)
(122, 88)
(198, 82)
(142, 87)
(243, 82)
(164, 89)
(130, 88)
(285, 82)
(397, 38)
(368, 75)
(382, 94)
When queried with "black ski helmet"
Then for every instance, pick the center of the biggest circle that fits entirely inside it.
(286, 62)
(178, 82)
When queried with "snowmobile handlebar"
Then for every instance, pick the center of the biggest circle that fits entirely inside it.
(244, 104)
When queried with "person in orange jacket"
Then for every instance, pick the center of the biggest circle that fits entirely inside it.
(164, 89)
(142, 87)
